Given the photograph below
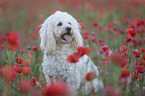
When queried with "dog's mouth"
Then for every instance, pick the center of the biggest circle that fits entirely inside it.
(66, 37)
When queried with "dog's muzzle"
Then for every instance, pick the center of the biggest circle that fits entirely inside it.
(67, 36)
(68, 29)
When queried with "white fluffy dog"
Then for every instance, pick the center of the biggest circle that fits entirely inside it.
(60, 35)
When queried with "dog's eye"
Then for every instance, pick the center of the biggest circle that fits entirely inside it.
(69, 23)
(59, 24)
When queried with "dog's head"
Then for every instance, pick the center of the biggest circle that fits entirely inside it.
(61, 28)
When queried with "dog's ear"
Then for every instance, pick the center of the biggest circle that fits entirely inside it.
(78, 40)
(48, 42)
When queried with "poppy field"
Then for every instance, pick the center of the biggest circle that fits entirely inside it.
(114, 38)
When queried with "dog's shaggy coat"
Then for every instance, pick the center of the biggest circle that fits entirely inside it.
(60, 35)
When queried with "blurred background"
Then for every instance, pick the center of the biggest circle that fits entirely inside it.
(24, 16)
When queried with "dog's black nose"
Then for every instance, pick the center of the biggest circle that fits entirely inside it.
(68, 29)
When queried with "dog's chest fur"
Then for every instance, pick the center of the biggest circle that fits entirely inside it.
(57, 66)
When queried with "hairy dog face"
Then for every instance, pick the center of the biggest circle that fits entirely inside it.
(61, 28)
(64, 30)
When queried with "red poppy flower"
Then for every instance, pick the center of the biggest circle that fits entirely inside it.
(137, 43)
(90, 76)
(83, 50)
(110, 27)
(93, 33)
(73, 58)
(123, 49)
(131, 32)
(125, 76)
(78, 20)
(137, 54)
(138, 22)
(54, 11)
(26, 70)
(1, 47)
(95, 24)
(124, 73)
(25, 86)
(141, 69)
(85, 32)
(143, 56)
(27, 64)
(136, 75)
(142, 50)
(86, 36)
(100, 41)
(13, 40)
(55, 89)
(128, 40)
(124, 54)
(19, 60)
(35, 47)
(105, 51)
(82, 25)
(33, 81)
(13, 37)
(118, 60)
(18, 69)
(8, 73)
(140, 62)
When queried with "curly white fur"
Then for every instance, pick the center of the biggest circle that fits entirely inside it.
(56, 49)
